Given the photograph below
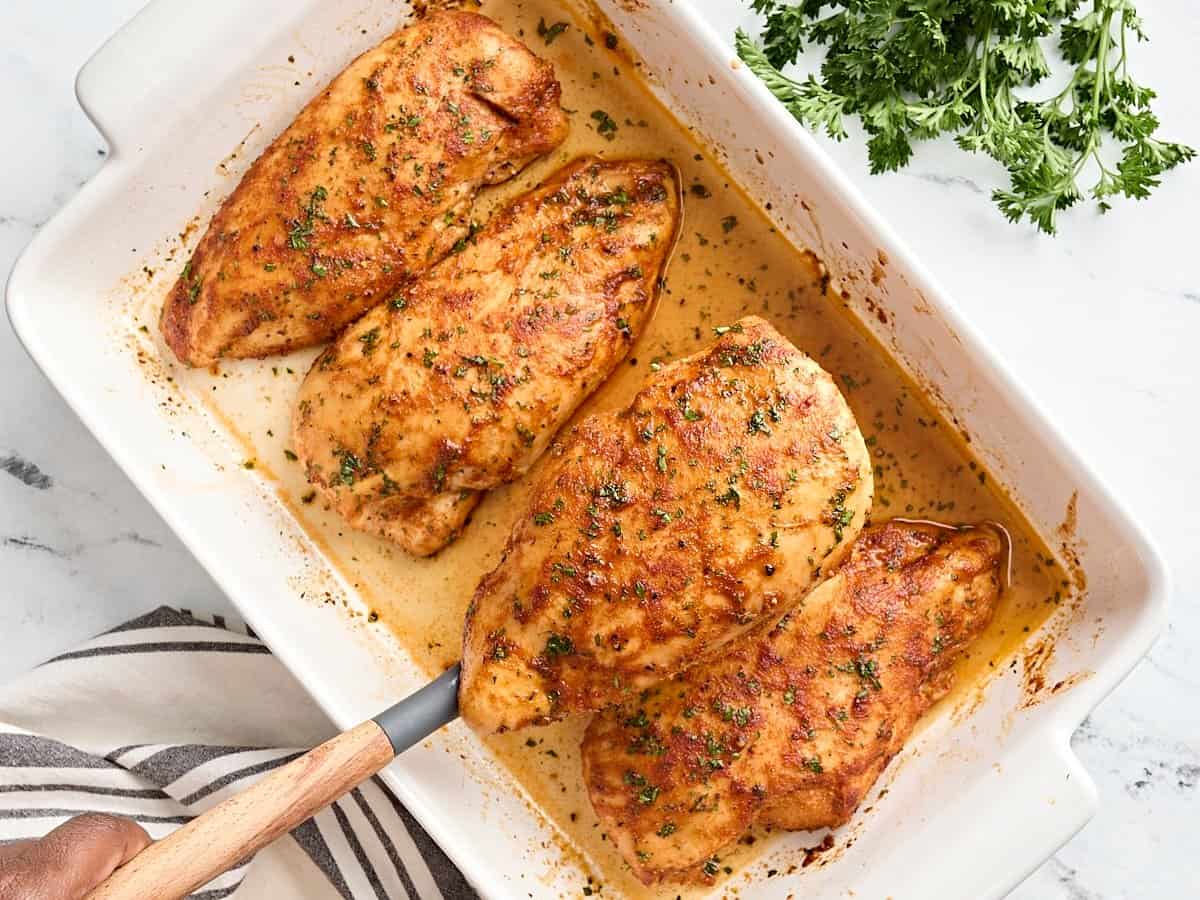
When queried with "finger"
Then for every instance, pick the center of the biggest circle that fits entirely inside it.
(74, 858)
(13, 850)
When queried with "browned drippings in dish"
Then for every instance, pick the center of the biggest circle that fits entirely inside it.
(730, 262)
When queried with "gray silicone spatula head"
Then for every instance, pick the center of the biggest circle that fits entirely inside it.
(421, 714)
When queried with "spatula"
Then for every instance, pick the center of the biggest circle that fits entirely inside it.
(233, 830)
(811, 428)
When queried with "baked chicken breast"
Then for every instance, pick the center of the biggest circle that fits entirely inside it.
(460, 382)
(370, 185)
(658, 534)
(793, 724)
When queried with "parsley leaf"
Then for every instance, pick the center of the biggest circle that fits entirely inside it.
(913, 69)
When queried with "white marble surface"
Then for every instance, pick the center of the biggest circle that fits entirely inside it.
(1102, 323)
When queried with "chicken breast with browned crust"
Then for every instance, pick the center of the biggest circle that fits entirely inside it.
(658, 534)
(461, 380)
(793, 724)
(370, 185)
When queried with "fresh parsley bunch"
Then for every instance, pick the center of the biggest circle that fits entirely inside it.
(912, 69)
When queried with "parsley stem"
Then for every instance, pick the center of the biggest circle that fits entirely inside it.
(984, 104)
(1104, 38)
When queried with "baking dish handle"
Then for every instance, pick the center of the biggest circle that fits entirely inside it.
(125, 86)
(117, 80)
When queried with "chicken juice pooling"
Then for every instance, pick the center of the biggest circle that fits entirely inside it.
(729, 262)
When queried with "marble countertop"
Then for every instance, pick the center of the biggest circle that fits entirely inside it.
(1102, 324)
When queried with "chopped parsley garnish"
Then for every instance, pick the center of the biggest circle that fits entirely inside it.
(349, 468)
(739, 715)
(865, 668)
(620, 197)
(473, 228)
(606, 126)
(369, 340)
(559, 645)
(647, 795)
(301, 229)
(749, 355)
(839, 517)
(549, 32)
(615, 492)
(730, 498)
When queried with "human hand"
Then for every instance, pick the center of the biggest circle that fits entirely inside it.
(70, 861)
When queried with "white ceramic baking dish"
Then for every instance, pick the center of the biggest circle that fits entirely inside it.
(978, 800)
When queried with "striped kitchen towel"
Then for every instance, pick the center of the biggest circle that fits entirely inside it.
(168, 715)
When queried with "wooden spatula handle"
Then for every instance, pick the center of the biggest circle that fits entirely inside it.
(230, 832)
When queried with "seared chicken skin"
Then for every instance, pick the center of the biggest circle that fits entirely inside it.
(370, 185)
(794, 723)
(658, 534)
(460, 382)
